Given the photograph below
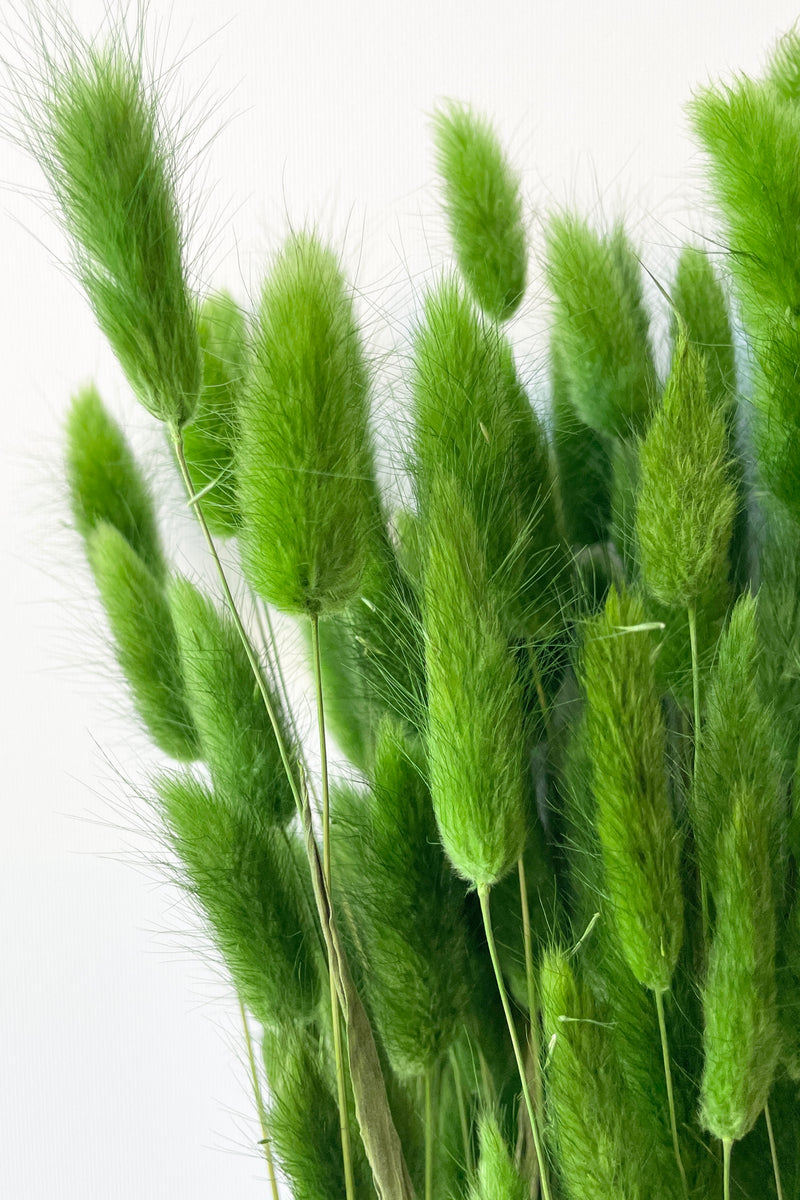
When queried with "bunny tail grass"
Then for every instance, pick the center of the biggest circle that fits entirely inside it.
(484, 210)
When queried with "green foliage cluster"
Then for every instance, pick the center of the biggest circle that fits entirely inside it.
(556, 901)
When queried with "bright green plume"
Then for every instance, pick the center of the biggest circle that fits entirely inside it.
(145, 641)
(235, 731)
(105, 483)
(209, 441)
(304, 465)
(496, 1177)
(483, 203)
(98, 137)
(601, 326)
(640, 842)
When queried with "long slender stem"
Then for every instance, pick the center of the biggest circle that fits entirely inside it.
(462, 1111)
(483, 894)
(726, 1168)
(662, 1026)
(262, 1112)
(326, 871)
(428, 1136)
(773, 1151)
(533, 1010)
(177, 440)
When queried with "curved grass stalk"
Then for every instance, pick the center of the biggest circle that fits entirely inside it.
(773, 1151)
(262, 1112)
(662, 1027)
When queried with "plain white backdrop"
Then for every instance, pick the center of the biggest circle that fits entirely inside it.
(122, 1069)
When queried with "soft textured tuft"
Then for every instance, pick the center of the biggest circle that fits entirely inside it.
(251, 886)
(235, 731)
(97, 135)
(686, 498)
(304, 465)
(145, 641)
(496, 1178)
(483, 203)
(476, 733)
(640, 842)
(601, 326)
(105, 483)
(209, 440)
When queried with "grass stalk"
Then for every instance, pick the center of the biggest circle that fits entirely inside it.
(326, 870)
(727, 1144)
(428, 1135)
(462, 1111)
(773, 1151)
(662, 1026)
(483, 894)
(259, 1099)
(533, 1009)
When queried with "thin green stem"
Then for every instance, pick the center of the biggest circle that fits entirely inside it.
(662, 1026)
(262, 1112)
(177, 440)
(727, 1144)
(462, 1111)
(326, 871)
(428, 1136)
(533, 1010)
(773, 1151)
(483, 894)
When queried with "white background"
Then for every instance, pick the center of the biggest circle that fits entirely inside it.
(121, 1074)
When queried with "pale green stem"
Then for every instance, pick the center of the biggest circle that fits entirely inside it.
(326, 871)
(483, 894)
(533, 1011)
(428, 1136)
(284, 753)
(262, 1112)
(727, 1143)
(773, 1151)
(462, 1111)
(662, 1026)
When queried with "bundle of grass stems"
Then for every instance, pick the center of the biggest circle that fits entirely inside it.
(543, 937)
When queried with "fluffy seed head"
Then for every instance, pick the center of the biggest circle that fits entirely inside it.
(304, 467)
(639, 840)
(236, 736)
(105, 483)
(496, 1177)
(475, 734)
(686, 500)
(600, 325)
(483, 204)
(144, 640)
(97, 134)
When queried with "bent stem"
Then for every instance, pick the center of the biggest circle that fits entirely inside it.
(483, 894)
(773, 1151)
(262, 1112)
(326, 871)
(662, 1026)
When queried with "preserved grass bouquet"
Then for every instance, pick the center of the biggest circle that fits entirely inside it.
(544, 937)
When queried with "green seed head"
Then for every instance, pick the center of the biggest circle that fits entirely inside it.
(640, 843)
(209, 440)
(144, 639)
(475, 734)
(98, 137)
(484, 210)
(686, 500)
(235, 731)
(496, 1177)
(105, 483)
(304, 467)
(600, 326)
